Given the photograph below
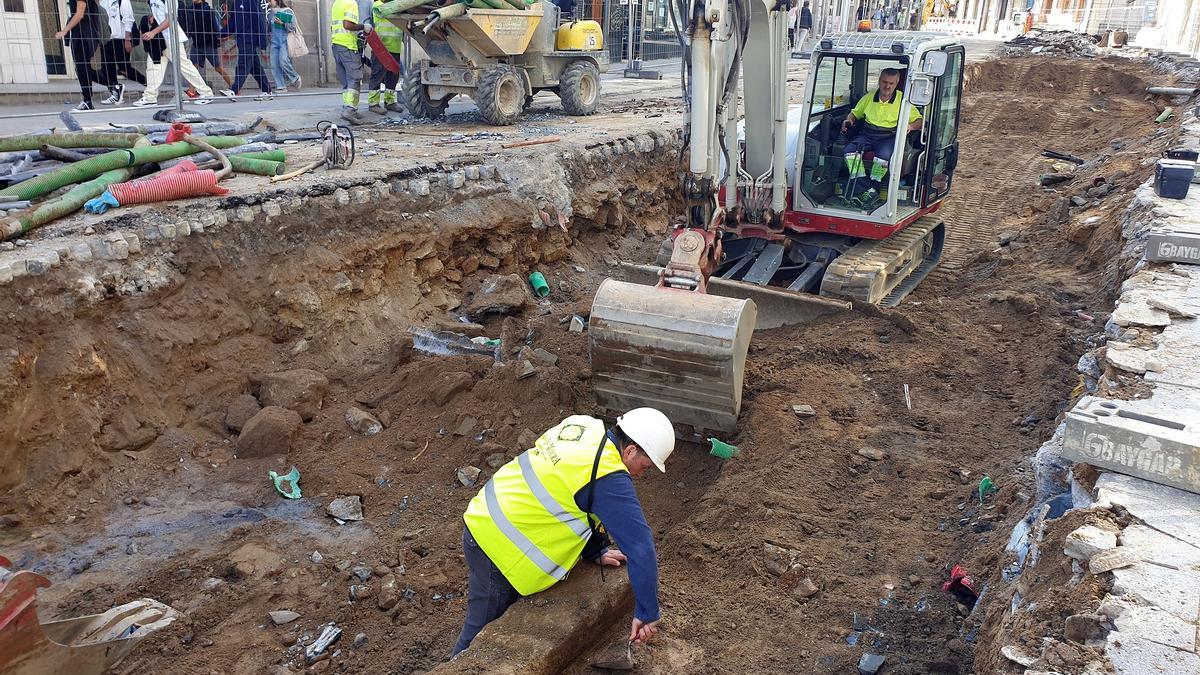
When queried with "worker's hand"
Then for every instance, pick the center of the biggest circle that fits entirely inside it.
(846, 124)
(611, 558)
(640, 631)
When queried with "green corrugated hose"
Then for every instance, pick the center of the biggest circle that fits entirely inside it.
(273, 155)
(66, 204)
(256, 166)
(90, 168)
(75, 140)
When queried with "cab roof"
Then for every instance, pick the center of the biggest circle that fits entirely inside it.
(884, 42)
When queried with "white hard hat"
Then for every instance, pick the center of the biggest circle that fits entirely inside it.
(652, 431)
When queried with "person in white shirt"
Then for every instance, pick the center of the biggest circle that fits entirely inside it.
(114, 55)
(156, 69)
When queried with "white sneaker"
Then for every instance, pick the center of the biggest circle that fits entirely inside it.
(116, 95)
(298, 83)
(264, 97)
(84, 105)
(203, 100)
(142, 103)
(280, 90)
(229, 94)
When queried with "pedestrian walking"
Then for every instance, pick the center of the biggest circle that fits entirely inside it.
(157, 33)
(248, 26)
(82, 34)
(114, 54)
(203, 27)
(283, 23)
(792, 20)
(803, 26)
(393, 39)
(345, 27)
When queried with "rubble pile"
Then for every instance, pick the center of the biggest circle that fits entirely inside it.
(1053, 43)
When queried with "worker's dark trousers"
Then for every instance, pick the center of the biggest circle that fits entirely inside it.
(488, 593)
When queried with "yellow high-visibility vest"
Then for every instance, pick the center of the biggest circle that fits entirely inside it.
(344, 10)
(525, 519)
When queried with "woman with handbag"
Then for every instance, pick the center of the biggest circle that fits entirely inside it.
(283, 26)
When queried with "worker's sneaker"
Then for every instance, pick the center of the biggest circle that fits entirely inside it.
(116, 94)
(378, 109)
(142, 103)
(84, 105)
(229, 94)
(395, 107)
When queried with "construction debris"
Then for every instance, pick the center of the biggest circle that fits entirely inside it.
(1053, 43)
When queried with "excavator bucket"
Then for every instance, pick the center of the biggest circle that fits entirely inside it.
(86, 645)
(685, 352)
(679, 351)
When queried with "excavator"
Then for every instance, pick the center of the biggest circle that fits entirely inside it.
(777, 228)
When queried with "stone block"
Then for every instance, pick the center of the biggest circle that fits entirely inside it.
(183, 228)
(1170, 511)
(167, 230)
(110, 247)
(1174, 243)
(360, 195)
(133, 241)
(1138, 313)
(471, 172)
(1163, 447)
(341, 196)
(420, 187)
(272, 209)
(82, 252)
(455, 180)
(1085, 542)
(6, 274)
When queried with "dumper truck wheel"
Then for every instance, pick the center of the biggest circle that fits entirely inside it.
(416, 95)
(579, 88)
(500, 95)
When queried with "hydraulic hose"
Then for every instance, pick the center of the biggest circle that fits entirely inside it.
(73, 140)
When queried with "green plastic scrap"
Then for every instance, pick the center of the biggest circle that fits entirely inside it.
(288, 484)
(721, 449)
(986, 487)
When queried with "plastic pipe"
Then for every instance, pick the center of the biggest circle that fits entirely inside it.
(66, 204)
(272, 155)
(90, 168)
(75, 140)
(1173, 91)
(258, 167)
(540, 288)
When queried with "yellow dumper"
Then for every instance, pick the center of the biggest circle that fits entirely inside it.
(500, 57)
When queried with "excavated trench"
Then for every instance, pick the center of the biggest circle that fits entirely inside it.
(827, 537)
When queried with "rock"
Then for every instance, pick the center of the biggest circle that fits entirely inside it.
(1087, 541)
(496, 460)
(240, 410)
(9, 520)
(360, 641)
(577, 324)
(1079, 200)
(301, 390)
(1135, 313)
(805, 589)
(1084, 627)
(131, 548)
(526, 439)
(545, 356)
(211, 583)
(1088, 365)
(803, 410)
(282, 616)
(1018, 655)
(361, 572)
(316, 558)
(242, 569)
(527, 370)
(498, 294)
(1059, 212)
(346, 508)
(1112, 559)
(362, 421)
(389, 593)
(447, 385)
(361, 592)
(873, 454)
(870, 664)
(467, 475)
(381, 570)
(342, 283)
(271, 432)
(1131, 359)
(466, 427)
(1008, 236)
(779, 560)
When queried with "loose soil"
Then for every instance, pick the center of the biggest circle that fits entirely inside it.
(989, 366)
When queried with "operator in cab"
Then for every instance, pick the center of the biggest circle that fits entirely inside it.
(880, 113)
(543, 511)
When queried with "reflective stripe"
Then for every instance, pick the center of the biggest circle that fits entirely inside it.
(519, 540)
(579, 527)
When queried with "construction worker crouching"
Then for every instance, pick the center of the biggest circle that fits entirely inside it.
(393, 38)
(880, 112)
(345, 26)
(540, 513)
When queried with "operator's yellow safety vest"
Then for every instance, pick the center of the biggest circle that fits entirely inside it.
(344, 10)
(389, 33)
(525, 519)
(883, 115)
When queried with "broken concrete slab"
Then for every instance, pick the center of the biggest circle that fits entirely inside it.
(1172, 309)
(1131, 359)
(1162, 549)
(1113, 558)
(1138, 313)
(1135, 439)
(1150, 623)
(1170, 511)
(1134, 656)
(1173, 591)
(543, 634)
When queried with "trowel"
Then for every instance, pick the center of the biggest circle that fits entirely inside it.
(623, 663)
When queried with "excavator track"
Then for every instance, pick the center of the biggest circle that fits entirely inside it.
(884, 271)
